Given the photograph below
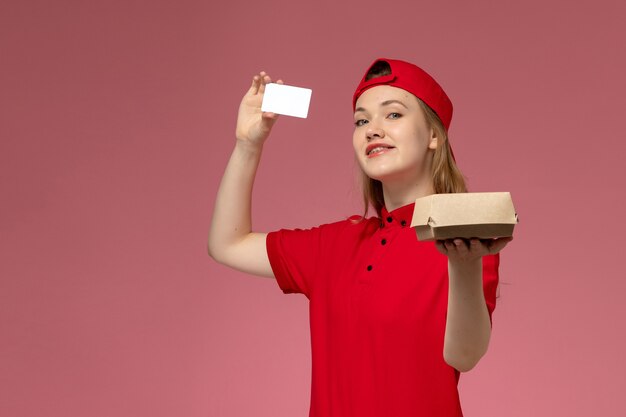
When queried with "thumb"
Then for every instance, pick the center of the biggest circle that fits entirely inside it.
(270, 116)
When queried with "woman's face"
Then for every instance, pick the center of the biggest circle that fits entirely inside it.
(392, 118)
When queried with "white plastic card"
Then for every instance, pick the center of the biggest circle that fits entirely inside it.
(286, 99)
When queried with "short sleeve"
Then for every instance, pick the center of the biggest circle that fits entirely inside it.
(295, 255)
(491, 264)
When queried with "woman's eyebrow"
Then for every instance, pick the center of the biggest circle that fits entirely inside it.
(384, 103)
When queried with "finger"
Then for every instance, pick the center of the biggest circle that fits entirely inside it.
(475, 245)
(461, 245)
(270, 118)
(258, 81)
(254, 88)
(270, 115)
(441, 246)
(265, 80)
(497, 245)
(279, 82)
(502, 240)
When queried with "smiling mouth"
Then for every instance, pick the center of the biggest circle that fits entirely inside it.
(378, 150)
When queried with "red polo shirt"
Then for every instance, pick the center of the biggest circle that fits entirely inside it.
(377, 308)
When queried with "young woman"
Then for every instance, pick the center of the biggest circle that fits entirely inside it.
(394, 321)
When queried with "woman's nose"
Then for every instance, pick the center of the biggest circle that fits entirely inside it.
(373, 132)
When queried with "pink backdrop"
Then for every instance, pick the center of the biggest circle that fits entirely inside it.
(117, 120)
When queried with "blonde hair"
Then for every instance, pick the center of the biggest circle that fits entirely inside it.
(445, 175)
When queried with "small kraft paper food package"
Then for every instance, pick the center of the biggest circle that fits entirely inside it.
(464, 215)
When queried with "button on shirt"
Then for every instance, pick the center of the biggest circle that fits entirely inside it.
(377, 309)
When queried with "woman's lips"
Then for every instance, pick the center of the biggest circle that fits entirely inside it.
(381, 152)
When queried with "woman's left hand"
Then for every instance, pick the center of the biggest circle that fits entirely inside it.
(462, 250)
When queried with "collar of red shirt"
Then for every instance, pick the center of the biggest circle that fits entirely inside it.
(399, 217)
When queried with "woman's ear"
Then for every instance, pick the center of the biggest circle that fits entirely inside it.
(433, 139)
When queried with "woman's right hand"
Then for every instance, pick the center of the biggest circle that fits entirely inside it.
(254, 125)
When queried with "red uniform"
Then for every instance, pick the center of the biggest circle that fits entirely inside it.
(377, 306)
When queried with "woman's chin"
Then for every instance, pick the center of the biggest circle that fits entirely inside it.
(380, 175)
(390, 174)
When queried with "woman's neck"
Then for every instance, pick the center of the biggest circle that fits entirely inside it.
(402, 193)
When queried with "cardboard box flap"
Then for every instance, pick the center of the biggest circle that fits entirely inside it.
(422, 211)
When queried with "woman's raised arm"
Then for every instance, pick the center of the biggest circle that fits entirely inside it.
(231, 239)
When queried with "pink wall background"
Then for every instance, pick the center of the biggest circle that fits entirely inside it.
(117, 120)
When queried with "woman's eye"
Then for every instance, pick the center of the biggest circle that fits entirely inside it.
(358, 122)
(398, 114)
